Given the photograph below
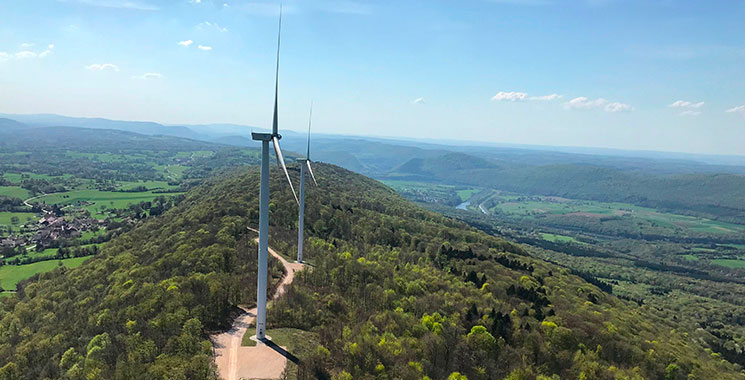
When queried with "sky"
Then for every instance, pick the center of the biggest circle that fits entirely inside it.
(665, 75)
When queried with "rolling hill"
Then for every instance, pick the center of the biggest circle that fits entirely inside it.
(395, 292)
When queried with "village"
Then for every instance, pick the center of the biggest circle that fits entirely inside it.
(50, 230)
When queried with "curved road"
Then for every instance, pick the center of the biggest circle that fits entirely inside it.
(235, 362)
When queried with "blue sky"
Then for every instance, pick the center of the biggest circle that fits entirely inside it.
(629, 74)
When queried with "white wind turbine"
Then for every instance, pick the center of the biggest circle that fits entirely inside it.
(304, 163)
(265, 138)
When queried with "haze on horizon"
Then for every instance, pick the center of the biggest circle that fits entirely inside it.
(664, 75)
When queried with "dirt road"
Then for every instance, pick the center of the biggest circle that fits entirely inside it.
(235, 362)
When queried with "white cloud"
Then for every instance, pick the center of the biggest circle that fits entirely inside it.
(690, 113)
(583, 102)
(211, 25)
(546, 97)
(25, 54)
(513, 96)
(186, 43)
(149, 76)
(617, 107)
(204, 47)
(686, 104)
(509, 96)
(418, 101)
(102, 67)
(738, 109)
(45, 53)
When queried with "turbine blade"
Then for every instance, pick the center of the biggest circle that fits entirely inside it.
(307, 162)
(310, 119)
(284, 167)
(275, 121)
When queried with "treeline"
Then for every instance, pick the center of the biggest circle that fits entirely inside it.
(12, 204)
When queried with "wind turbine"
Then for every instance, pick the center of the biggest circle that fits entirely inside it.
(265, 138)
(304, 163)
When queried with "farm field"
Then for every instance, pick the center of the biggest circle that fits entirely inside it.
(109, 199)
(15, 192)
(466, 194)
(10, 275)
(729, 263)
(6, 218)
(560, 238)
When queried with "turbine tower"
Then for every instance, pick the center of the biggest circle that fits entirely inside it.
(265, 138)
(304, 163)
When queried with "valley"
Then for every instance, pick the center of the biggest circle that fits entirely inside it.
(577, 285)
(656, 257)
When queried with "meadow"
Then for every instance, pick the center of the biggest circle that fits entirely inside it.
(10, 275)
(730, 263)
(6, 218)
(15, 192)
(559, 238)
(109, 199)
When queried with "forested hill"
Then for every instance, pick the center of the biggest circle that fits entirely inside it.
(394, 292)
(18, 137)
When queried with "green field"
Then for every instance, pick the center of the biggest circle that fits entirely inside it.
(91, 234)
(150, 185)
(560, 238)
(14, 192)
(466, 194)
(730, 263)
(110, 199)
(690, 257)
(23, 218)
(10, 275)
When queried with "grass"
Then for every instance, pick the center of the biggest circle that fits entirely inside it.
(466, 194)
(10, 275)
(23, 218)
(15, 192)
(110, 199)
(690, 257)
(560, 238)
(730, 263)
(91, 234)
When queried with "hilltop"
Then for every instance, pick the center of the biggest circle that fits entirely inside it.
(395, 292)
